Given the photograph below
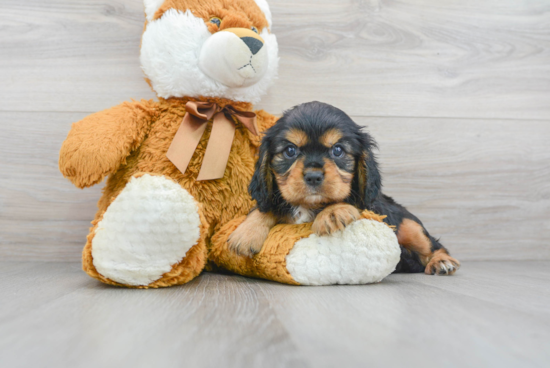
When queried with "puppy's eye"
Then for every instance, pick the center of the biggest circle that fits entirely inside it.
(337, 151)
(254, 29)
(290, 152)
(215, 20)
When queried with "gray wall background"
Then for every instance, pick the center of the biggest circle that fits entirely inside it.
(457, 93)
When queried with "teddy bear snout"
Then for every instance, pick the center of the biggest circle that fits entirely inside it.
(254, 45)
(251, 39)
(235, 57)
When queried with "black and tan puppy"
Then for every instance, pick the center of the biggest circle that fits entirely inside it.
(316, 165)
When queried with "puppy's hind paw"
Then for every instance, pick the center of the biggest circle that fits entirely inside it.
(442, 264)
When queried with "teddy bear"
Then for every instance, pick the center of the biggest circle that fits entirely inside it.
(178, 169)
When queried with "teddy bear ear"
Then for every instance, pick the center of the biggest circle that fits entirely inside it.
(264, 7)
(151, 7)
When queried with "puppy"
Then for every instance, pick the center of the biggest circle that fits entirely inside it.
(316, 165)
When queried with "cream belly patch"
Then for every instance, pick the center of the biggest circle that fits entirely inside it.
(148, 228)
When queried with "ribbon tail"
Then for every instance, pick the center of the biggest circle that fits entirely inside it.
(185, 142)
(218, 148)
(247, 118)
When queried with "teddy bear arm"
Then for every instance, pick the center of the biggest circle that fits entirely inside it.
(265, 120)
(98, 144)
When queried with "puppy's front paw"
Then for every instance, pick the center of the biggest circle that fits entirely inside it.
(442, 264)
(335, 218)
(249, 237)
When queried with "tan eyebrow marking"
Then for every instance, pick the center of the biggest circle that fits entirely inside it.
(330, 137)
(297, 137)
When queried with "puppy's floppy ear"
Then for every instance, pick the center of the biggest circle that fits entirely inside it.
(261, 186)
(368, 179)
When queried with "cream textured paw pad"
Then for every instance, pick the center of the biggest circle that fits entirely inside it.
(148, 228)
(365, 252)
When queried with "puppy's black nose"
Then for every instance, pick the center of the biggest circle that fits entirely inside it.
(314, 178)
(253, 44)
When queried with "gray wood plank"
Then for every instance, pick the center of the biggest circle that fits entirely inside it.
(451, 58)
(20, 289)
(521, 272)
(426, 326)
(58, 54)
(230, 321)
(214, 321)
(480, 185)
(508, 284)
(42, 215)
(8, 269)
(464, 58)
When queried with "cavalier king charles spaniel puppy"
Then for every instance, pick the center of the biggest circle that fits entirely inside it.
(317, 165)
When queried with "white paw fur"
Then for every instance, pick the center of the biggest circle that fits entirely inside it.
(365, 252)
(148, 228)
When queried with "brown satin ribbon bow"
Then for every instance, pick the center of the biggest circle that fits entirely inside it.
(192, 128)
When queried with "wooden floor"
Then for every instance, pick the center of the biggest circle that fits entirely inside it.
(490, 314)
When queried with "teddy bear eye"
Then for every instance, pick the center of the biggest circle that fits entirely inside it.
(215, 20)
(254, 29)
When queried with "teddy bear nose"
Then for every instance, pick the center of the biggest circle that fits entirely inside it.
(314, 178)
(253, 44)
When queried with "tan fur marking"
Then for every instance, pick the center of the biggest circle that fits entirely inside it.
(250, 236)
(335, 218)
(331, 137)
(297, 137)
(291, 184)
(362, 173)
(442, 263)
(266, 172)
(411, 236)
(337, 184)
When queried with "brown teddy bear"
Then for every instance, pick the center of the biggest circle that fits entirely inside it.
(178, 169)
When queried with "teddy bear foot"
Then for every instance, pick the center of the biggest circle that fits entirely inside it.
(148, 230)
(364, 252)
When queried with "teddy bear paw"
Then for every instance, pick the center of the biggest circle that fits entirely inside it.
(364, 252)
(147, 229)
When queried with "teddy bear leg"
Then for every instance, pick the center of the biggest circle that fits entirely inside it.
(151, 235)
(364, 252)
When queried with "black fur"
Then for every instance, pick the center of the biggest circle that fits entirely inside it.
(316, 118)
